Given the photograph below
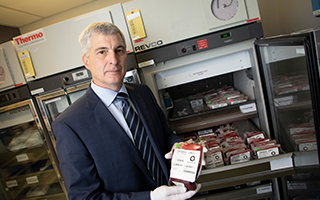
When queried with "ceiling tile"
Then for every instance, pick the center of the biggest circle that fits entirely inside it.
(43, 8)
(14, 18)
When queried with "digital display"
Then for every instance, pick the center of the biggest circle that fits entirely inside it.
(225, 35)
(79, 74)
(4, 98)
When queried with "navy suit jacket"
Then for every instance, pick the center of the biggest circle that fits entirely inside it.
(97, 158)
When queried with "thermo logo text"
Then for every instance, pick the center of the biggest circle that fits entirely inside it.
(22, 40)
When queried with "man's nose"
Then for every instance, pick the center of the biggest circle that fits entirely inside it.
(112, 58)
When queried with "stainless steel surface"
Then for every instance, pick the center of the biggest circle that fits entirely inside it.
(261, 191)
(241, 173)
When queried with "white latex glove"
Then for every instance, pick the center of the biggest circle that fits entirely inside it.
(169, 154)
(172, 193)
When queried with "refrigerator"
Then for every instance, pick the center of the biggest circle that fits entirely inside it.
(28, 168)
(57, 81)
(182, 86)
(280, 78)
(55, 48)
(191, 54)
(289, 66)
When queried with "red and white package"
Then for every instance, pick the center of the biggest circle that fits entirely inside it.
(306, 144)
(238, 156)
(304, 133)
(231, 142)
(230, 94)
(208, 137)
(258, 134)
(217, 103)
(301, 127)
(240, 146)
(239, 99)
(186, 165)
(258, 140)
(212, 144)
(262, 142)
(214, 158)
(213, 95)
(223, 137)
(225, 88)
(266, 150)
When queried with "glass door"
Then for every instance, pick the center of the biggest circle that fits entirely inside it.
(287, 66)
(27, 168)
(54, 103)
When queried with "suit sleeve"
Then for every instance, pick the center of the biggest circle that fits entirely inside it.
(78, 168)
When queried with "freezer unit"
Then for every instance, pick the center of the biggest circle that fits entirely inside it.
(289, 68)
(55, 49)
(153, 24)
(11, 75)
(218, 92)
(28, 168)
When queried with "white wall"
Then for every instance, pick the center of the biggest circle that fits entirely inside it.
(278, 16)
(98, 4)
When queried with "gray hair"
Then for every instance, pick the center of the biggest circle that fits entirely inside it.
(97, 28)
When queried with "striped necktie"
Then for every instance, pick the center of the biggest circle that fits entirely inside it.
(141, 139)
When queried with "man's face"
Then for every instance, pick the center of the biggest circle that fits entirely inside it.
(107, 61)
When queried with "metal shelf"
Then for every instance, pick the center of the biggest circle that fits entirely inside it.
(34, 179)
(246, 172)
(256, 192)
(32, 154)
(210, 119)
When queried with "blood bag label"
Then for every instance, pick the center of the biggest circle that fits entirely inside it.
(248, 108)
(184, 164)
(263, 190)
(32, 179)
(268, 153)
(22, 157)
(244, 157)
(308, 146)
(12, 183)
(214, 160)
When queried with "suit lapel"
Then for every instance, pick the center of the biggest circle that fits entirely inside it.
(103, 118)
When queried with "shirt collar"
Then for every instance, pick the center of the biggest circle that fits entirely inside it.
(107, 96)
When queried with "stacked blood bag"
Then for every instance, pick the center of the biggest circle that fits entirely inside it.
(226, 146)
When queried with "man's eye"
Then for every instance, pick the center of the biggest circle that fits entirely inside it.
(101, 52)
(120, 50)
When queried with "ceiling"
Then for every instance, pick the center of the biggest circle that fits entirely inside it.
(17, 13)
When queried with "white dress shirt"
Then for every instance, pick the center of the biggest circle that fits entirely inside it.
(108, 98)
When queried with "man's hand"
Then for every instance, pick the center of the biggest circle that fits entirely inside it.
(173, 193)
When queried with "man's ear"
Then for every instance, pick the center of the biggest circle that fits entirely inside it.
(85, 61)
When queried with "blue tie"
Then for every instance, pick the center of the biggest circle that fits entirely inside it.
(141, 139)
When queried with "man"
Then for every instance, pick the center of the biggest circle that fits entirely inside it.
(98, 155)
